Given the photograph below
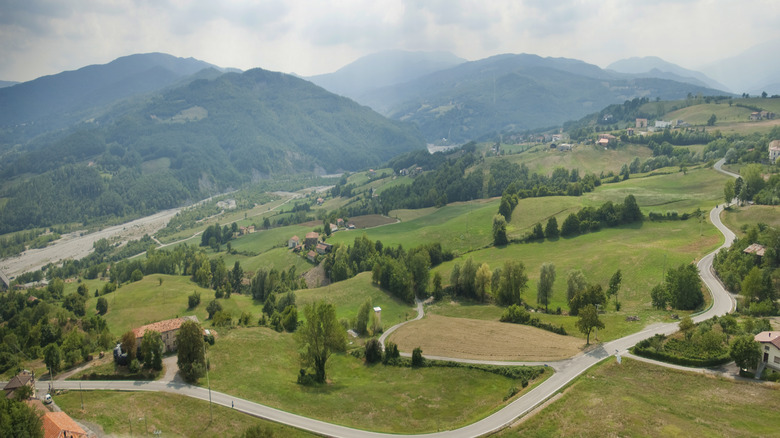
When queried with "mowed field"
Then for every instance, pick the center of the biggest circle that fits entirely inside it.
(142, 413)
(737, 217)
(487, 340)
(586, 158)
(640, 399)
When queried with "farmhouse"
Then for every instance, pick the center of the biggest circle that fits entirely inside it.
(333, 228)
(311, 239)
(312, 256)
(661, 124)
(774, 151)
(293, 242)
(324, 248)
(340, 223)
(770, 351)
(564, 147)
(755, 248)
(168, 329)
(60, 425)
(641, 123)
(25, 378)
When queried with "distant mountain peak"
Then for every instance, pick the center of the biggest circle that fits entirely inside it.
(655, 67)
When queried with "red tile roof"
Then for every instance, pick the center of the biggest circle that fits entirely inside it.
(769, 338)
(55, 423)
(163, 326)
(756, 249)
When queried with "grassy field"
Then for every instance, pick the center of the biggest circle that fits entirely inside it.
(348, 295)
(141, 413)
(699, 114)
(641, 252)
(737, 217)
(639, 399)
(491, 340)
(262, 365)
(586, 158)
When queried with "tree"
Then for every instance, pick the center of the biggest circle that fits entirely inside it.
(551, 230)
(745, 351)
(537, 233)
(738, 183)
(438, 291)
(631, 212)
(589, 319)
(75, 303)
(499, 230)
(545, 285)
(319, 337)
(728, 191)
(19, 420)
(373, 351)
(191, 355)
(575, 283)
(571, 226)
(505, 208)
(512, 282)
(482, 282)
(614, 287)
(102, 305)
(128, 344)
(152, 348)
(193, 300)
(52, 357)
(593, 294)
(684, 287)
(711, 121)
(213, 307)
(659, 297)
(752, 285)
(417, 358)
(361, 320)
(686, 324)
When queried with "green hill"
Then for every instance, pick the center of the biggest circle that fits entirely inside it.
(191, 142)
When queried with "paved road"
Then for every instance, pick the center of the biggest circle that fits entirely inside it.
(566, 371)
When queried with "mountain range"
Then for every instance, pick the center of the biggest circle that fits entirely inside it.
(653, 66)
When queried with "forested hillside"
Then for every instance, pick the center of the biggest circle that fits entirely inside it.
(191, 142)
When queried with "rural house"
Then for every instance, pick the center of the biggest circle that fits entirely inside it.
(324, 248)
(293, 242)
(774, 150)
(25, 378)
(770, 351)
(641, 123)
(312, 256)
(311, 239)
(168, 329)
(60, 425)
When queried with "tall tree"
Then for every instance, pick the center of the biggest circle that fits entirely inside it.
(614, 286)
(589, 319)
(545, 285)
(684, 287)
(512, 283)
(152, 348)
(728, 191)
(575, 283)
(551, 229)
(499, 230)
(319, 337)
(745, 351)
(128, 345)
(191, 355)
(52, 357)
(482, 281)
(19, 420)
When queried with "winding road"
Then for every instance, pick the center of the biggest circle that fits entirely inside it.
(566, 370)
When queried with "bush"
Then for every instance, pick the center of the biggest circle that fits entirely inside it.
(373, 351)
(417, 358)
(213, 307)
(134, 366)
(391, 353)
(222, 319)
(193, 300)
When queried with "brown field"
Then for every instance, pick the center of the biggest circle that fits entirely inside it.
(489, 340)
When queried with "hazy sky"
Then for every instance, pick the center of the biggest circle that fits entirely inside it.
(40, 37)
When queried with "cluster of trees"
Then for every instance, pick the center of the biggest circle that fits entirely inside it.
(214, 236)
(756, 278)
(504, 285)
(405, 274)
(41, 328)
(751, 186)
(586, 220)
(680, 290)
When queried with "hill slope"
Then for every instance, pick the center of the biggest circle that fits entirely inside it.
(55, 101)
(383, 69)
(191, 142)
(655, 67)
(513, 92)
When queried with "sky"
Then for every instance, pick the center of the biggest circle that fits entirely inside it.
(42, 37)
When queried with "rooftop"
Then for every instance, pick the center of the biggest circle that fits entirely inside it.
(164, 326)
(769, 338)
(55, 423)
(756, 249)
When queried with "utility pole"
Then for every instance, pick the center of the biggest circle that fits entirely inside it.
(81, 391)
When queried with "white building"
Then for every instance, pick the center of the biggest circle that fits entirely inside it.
(770, 351)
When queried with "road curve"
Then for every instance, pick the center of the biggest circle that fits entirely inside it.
(566, 371)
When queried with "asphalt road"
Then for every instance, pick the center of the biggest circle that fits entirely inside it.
(566, 371)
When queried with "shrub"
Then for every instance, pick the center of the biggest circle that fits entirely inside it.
(213, 307)
(417, 358)
(391, 353)
(193, 300)
(373, 351)
(134, 366)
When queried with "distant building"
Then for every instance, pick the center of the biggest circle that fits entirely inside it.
(641, 124)
(564, 147)
(312, 256)
(630, 131)
(323, 248)
(293, 242)
(755, 116)
(333, 228)
(340, 223)
(168, 329)
(661, 124)
(320, 201)
(756, 249)
(774, 151)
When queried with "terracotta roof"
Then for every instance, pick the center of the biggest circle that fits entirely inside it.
(312, 235)
(311, 254)
(163, 326)
(769, 338)
(774, 144)
(756, 249)
(294, 238)
(55, 423)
